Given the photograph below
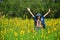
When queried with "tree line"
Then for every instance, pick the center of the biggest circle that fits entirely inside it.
(17, 8)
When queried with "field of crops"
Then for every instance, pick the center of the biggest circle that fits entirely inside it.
(19, 29)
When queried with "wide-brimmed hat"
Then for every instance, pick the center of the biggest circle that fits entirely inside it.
(38, 14)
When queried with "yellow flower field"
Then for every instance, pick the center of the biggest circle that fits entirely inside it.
(19, 29)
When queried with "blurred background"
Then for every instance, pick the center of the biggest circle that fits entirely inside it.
(17, 8)
(13, 27)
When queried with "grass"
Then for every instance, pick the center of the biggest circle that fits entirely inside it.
(18, 29)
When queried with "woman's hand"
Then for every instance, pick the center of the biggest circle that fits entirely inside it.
(28, 9)
(49, 10)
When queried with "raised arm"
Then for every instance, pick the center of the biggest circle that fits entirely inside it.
(30, 12)
(47, 12)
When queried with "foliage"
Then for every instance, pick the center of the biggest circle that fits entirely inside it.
(18, 7)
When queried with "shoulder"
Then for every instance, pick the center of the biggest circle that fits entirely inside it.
(42, 17)
(34, 18)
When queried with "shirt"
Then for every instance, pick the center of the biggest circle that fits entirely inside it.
(42, 20)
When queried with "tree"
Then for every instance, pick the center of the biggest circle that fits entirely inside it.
(18, 7)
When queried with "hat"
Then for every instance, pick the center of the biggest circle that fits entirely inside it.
(38, 14)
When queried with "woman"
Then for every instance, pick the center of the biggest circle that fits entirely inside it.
(39, 19)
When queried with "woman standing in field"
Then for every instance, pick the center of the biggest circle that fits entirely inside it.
(39, 19)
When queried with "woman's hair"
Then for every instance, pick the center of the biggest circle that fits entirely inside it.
(38, 15)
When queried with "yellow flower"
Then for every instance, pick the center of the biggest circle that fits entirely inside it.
(48, 31)
(46, 37)
(54, 29)
(5, 30)
(22, 32)
(33, 30)
(11, 29)
(49, 24)
(2, 38)
(28, 31)
(15, 33)
(1, 32)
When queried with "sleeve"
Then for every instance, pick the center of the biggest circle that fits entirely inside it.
(34, 17)
(43, 16)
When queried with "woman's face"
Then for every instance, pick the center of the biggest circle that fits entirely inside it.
(38, 17)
